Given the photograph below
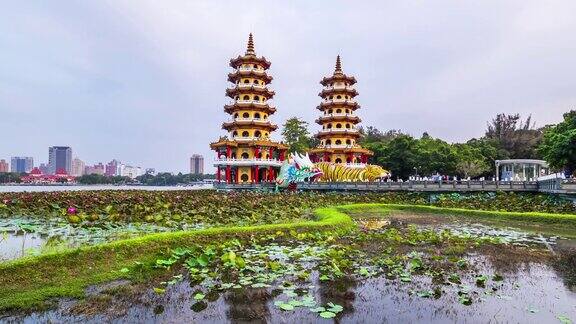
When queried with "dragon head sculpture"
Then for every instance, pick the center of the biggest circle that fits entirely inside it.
(296, 169)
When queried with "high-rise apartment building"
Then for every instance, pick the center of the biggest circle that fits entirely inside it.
(21, 164)
(60, 158)
(112, 168)
(78, 167)
(43, 168)
(4, 166)
(95, 169)
(197, 164)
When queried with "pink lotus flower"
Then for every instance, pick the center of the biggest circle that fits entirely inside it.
(71, 210)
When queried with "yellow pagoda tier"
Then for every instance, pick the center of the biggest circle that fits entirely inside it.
(339, 136)
(247, 154)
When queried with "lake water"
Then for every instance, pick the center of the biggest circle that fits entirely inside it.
(20, 188)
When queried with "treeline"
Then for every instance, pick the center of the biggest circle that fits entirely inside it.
(169, 179)
(506, 137)
(161, 179)
(10, 177)
(90, 179)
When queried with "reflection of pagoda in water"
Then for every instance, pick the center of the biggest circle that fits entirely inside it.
(248, 154)
(339, 136)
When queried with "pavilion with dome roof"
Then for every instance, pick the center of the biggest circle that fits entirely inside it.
(248, 154)
(339, 136)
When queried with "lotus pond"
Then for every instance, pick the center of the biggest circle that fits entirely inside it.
(32, 223)
(397, 266)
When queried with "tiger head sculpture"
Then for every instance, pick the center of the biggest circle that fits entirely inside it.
(374, 172)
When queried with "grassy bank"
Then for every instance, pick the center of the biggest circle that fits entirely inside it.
(536, 217)
(29, 283)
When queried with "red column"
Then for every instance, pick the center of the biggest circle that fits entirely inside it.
(228, 152)
(282, 155)
(237, 175)
(270, 153)
(256, 151)
(351, 157)
(218, 173)
(256, 173)
(270, 174)
(228, 174)
(326, 156)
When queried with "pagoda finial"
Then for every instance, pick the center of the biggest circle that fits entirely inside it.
(338, 65)
(250, 49)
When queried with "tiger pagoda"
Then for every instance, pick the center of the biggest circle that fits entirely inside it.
(338, 136)
(248, 155)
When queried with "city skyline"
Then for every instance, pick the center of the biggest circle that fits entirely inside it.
(150, 86)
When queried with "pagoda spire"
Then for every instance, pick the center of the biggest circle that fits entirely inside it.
(338, 69)
(250, 48)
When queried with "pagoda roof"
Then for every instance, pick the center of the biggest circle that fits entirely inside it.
(249, 89)
(338, 103)
(250, 57)
(338, 75)
(344, 90)
(224, 141)
(234, 76)
(336, 117)
(264, 125)
(243, 105)
(341, 150)
(338, 132)
(36, 171)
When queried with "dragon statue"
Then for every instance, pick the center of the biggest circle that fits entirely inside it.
(295, 169)
(299, 168)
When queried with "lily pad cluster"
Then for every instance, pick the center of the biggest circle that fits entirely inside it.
(171, 208)
(293, 265)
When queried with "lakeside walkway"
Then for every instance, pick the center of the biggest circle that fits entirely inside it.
(556, 186)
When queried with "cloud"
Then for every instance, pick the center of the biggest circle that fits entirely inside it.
(144, 81)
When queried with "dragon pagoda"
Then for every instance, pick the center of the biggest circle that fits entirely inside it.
(247, 154)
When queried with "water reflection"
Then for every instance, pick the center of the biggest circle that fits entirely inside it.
(15, 245)
(248, 305)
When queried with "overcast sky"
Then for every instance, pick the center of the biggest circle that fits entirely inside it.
(143, 81)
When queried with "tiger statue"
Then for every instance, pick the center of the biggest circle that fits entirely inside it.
(333, 172)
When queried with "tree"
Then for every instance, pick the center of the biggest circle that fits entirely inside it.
(558, 145)
(490, 150)
(398, 156)
(471, 162)
(296, 135)
(372, 134)
(10, 177)
(518, 138)
(435, 156)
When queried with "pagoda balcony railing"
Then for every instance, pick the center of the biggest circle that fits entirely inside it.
(338, 146)
(250, 85)
(250, 69)
(256, 102)
(246, 138)
(338, 115)
(339, 87)
(339, 130)
(247, 162)
(337, 101)
(241, 119)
